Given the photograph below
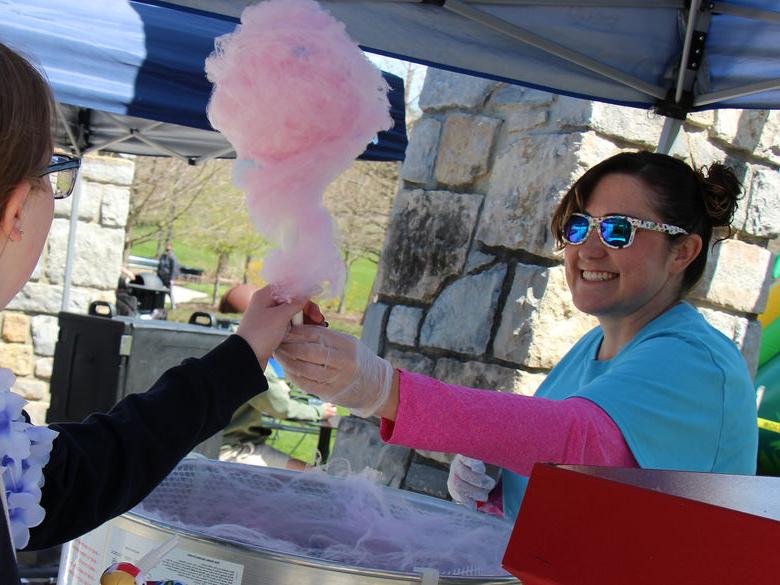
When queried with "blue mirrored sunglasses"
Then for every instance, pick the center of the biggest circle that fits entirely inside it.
(615, 231)
(62, 172)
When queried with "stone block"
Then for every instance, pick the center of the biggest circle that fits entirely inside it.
(752, 131)
(698, 150)
(703, 119)
(410, 361)
(89, 202)
(403, 324)
(464, 150)
(44, 367)
(81, 298)
(373, 327)
(426, 476)
(477, 259)
(508, 98)
(427, 241)
(488, 376)
(762, 209)
(45, 330)
(461, 318)
(37, 412)
(539, 323)
(421, 152)
(105, 169)
(628, 124)
(447, 90)
(737, 277)
(17, 357)
(518, 123)
(38, 270)
(16, 328)
(99, 255)
(31, 389)
(570, 113)
(768, 147)
(114, 206)
(359, 445)
(37, 297)
(527, 182)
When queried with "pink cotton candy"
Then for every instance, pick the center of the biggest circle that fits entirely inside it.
(299, 101)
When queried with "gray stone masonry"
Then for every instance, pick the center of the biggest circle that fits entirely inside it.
(103, 208)
(470, 277)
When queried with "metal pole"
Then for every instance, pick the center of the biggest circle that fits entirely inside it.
(669, 134)
(70, 254)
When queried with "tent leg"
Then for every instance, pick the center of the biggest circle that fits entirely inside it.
(669, 134)
(71, 253)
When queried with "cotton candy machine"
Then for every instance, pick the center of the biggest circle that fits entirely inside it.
(246, 525)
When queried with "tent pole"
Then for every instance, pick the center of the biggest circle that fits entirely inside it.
(71, 251)
(64, 121)
(686, 53)
(706, 99)
(529, 38)
(669, 135)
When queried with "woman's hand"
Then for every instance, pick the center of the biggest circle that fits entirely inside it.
(266, 321)
(336, 367)
(468, 483)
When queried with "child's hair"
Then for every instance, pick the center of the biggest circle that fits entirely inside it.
(26, 115)
(696, 200)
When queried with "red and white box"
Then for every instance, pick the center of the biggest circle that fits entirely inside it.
(610, 526)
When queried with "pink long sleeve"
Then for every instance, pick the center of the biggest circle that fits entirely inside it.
(509, 430)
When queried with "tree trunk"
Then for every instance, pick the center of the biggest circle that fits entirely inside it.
(343, 296)
(247, 262)
(221, 263)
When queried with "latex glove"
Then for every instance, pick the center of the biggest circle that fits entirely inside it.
(266, 322)
(468, 483)
(336, 367)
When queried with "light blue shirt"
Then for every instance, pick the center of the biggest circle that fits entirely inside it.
(679, 391)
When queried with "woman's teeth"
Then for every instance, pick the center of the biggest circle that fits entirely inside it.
(596, 276)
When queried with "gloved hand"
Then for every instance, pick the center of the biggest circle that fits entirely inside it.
(468, 483)
(336, 367)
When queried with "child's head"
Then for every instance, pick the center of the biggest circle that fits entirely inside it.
(26, 198)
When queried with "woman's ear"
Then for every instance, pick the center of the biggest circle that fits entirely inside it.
(11, 217)
(685, 252)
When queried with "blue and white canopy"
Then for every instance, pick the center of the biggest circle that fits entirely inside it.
(129, 76)
(626, 52)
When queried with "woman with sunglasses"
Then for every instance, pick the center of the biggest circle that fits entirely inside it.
(60, 481)
(654, 385)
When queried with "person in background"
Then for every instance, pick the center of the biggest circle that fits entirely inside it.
(244, 437)
(654, 385)
(60, 481)
(168, 269)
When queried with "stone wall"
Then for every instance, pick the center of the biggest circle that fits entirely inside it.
(28, 326)
(470, 288)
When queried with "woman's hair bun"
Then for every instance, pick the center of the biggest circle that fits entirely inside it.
(721, 190)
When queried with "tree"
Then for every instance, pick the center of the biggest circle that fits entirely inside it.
(164, 190)
(360, 200)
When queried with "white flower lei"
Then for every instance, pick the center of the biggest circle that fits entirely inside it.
(24, 450)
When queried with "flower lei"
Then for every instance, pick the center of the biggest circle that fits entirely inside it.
(24, 450)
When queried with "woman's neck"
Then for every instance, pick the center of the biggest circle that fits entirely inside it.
(620, 331)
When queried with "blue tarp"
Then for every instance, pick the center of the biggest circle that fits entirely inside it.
(145, 63)
(639, 39)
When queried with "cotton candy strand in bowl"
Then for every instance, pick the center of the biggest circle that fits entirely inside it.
(299, 101)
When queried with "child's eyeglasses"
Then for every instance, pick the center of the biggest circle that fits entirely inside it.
(615, 231)
(62, 172)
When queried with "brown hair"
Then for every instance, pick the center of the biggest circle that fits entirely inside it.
(26, 114)
(695, 200)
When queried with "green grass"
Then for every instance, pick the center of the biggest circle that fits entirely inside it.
(301, 446)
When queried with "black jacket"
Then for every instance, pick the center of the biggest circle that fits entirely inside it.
(105, 465)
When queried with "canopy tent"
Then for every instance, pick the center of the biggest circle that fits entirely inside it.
(129, 77)
(132, 76)
(641, 53)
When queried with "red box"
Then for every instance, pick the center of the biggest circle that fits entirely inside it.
(609, 526)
